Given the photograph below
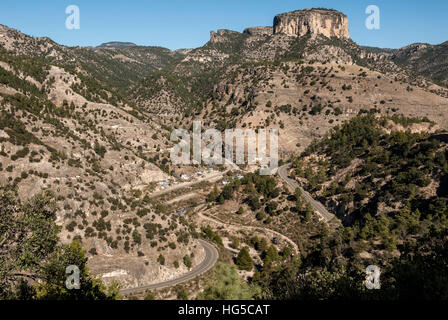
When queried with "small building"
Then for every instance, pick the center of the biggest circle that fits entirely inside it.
(180, 212)
(164, 182)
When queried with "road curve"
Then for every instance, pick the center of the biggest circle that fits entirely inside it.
(211, 257)
(318, 207)
(250, 228)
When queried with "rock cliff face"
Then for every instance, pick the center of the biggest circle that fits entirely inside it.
(220, 36)
(329, 23)
(259, 31)
(299, 23)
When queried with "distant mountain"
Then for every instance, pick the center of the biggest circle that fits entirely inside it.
(193, 80)
(428, 60)
(116, 45)
(124, 66)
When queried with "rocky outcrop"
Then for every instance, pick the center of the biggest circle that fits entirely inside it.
(117, 45)
(314, 22)
(221, 35)
(329, 23)
(259, 31)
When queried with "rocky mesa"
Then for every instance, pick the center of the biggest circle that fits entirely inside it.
(308, 22)
(329, 23)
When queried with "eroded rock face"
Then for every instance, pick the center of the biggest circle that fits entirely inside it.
(329, 23)
(220, 36)
(259, 31)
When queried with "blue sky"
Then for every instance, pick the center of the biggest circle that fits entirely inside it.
(187, 23)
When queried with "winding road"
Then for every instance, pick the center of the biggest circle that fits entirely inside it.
(211, 257)
(211, 253)
(318, 207)
(249, 228)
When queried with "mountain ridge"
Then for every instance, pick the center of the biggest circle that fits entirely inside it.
(94, 125)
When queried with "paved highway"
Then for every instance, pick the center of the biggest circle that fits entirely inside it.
(211, 257)
(318, 207)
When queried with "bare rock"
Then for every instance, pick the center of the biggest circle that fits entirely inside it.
(220, 36)
(259, 31)
(329, 23)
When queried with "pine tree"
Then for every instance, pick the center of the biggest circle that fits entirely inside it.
(243, 260)
(213, 196)
(270, 256)
(308, 212)
(161, 259)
